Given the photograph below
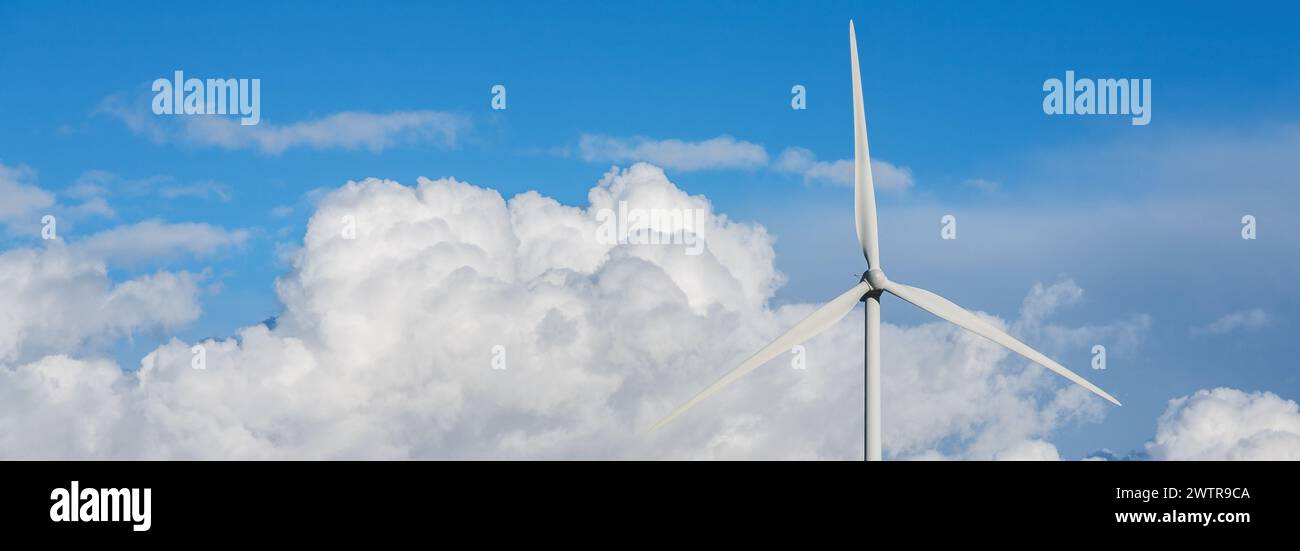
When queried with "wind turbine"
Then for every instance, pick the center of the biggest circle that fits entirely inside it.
(868, 290)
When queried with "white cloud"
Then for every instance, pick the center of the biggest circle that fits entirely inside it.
(23, 201)
(1043, 301)
(801, 161)
(56, 301)
(347, 130)
(206, 189)
(726, 152)
(385, 344)
(93, 186)
(986, 186)
(722, 152)
(1228, 424)
(63, 408)
(125, 244)
(95, 206)
(1120, 337)
(1029, 450)
(151, 240)
(955, 395)
(1244, 320)
(25, 204)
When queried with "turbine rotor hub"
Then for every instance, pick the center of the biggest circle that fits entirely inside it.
(876, 278)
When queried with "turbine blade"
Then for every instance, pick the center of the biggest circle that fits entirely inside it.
(864, 190)
(963, 318)
(815, 323)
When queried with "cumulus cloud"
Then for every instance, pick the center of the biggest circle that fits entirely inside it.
(55, 301)
(58, 299)
(386, 343)
(954, 395)
(715, 153)
(347, 130)
(1228, 424)
(1245, 320)
(61, 407)
(801, 161)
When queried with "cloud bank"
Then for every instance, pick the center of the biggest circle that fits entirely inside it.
(386, 346)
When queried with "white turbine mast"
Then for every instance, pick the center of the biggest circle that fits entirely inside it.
(868, 290)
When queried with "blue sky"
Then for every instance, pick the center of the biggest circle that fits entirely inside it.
(953, 93)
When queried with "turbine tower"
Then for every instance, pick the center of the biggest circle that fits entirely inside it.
(869, 289)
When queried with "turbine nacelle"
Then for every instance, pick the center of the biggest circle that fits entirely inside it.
(876, 278)
(874, 281)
